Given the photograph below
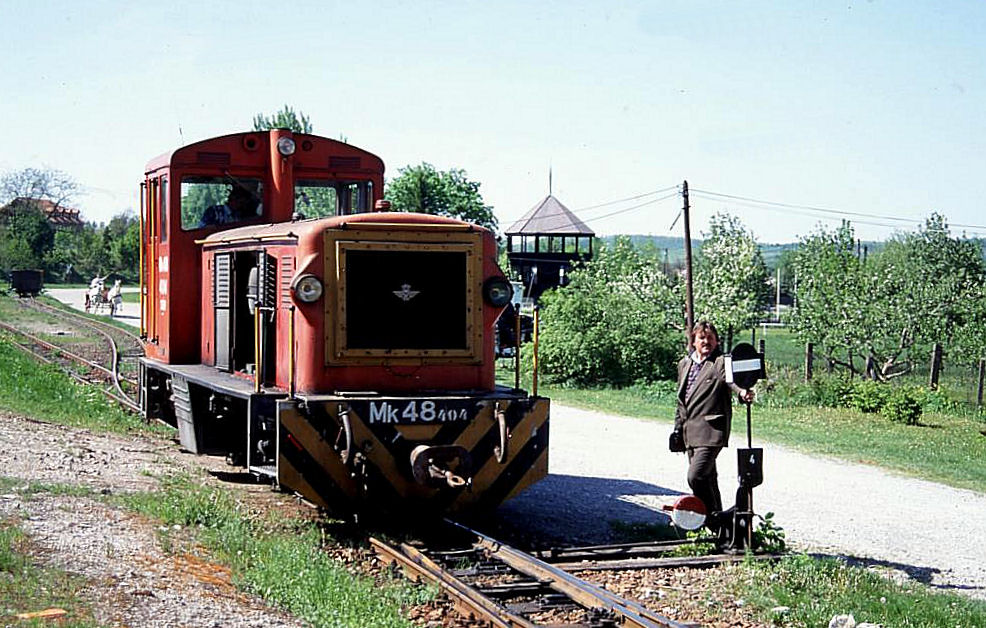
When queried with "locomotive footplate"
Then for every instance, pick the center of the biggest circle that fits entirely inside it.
(438, 452)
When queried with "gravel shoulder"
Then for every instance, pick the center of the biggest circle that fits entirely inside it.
(606, 468)
(132, 580)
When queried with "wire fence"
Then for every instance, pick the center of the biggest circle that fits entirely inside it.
(959, 378)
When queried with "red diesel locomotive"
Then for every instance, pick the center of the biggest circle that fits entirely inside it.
(345, 353)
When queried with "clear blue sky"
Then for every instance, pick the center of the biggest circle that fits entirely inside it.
(870, 107)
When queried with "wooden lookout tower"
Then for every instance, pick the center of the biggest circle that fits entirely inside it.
(544, 243)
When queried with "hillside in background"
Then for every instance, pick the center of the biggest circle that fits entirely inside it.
(674, 247)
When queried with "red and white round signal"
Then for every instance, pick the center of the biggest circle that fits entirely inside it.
(688, 512)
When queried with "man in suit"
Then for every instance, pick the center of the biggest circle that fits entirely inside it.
(704, 415)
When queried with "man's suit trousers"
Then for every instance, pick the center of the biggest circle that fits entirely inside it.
(703, 478)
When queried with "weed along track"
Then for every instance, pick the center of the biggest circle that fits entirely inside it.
(90, 351)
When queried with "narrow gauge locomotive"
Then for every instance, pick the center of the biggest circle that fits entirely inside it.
(346, 355)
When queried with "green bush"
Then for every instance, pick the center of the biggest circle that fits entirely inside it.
(868, 396)
(904, 405)
(612, 325)
(831, 391)
(939, 401)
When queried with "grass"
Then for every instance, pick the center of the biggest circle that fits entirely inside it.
(814, 590)
(44, 392)
(942, 448)
(27, 588)
(279, 560)
(945, 447)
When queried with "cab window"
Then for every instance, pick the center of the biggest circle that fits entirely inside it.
(316, 199)
(207, 201)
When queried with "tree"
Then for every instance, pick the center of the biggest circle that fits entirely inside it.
(829, 301)
(730, 276)
(26, 237)
(923, 286)
(616, 322)
(426, 190)
(122, 238)
(284, 119)
(44, 184)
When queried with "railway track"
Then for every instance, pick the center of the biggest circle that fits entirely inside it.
(95, 356)
(498, 585)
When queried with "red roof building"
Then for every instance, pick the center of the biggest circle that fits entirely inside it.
(59, 216)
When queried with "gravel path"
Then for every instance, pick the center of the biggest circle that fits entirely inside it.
(607, 468)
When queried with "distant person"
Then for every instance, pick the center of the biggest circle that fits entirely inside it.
(95, 296)
(704, 416)
(115, 297)
(240, 205)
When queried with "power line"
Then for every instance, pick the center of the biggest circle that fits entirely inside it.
(915, 222)
(619, 211)
(629, 198)
(839, 212)
(626, 209)
(608, 203)
(803, 213)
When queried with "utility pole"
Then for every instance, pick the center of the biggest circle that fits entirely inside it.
(777, 310)
(689, 297)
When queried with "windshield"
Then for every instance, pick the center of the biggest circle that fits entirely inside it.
(315, 199)
(207, 201)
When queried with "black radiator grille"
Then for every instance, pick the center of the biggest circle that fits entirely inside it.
(399, 300)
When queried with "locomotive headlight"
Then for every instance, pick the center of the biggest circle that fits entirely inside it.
(286, 146)
(307, 288)
(497, 291)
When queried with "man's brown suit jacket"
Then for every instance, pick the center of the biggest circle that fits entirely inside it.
(705, 417)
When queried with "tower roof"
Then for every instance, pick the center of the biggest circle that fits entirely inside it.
(550, 217)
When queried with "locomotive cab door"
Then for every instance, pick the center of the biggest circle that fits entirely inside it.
(222, 299)
(245, 286)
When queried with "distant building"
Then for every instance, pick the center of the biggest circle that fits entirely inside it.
(544, 243)
(59, 216)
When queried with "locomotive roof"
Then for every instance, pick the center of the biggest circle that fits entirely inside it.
(166, 159)
(300, 228)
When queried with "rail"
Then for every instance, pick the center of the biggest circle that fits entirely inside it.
(111, 372)
(500, 585)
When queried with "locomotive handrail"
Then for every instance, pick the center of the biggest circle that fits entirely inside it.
(500, 451)
(291, 353)
(407, 226)
(252, 238)
(258, 350)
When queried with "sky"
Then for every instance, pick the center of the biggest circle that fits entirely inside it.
(790, 115)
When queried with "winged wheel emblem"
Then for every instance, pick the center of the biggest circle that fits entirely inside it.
(405, 294)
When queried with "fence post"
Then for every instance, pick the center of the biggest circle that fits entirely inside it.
(809, 351)
(729, 339)
(982, 377)
(753, 336)
(935, 365)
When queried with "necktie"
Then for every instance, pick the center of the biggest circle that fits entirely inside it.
(692, 378)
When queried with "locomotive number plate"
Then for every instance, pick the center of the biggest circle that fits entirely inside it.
(415, 411)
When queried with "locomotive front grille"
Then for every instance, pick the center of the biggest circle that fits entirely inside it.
(407, 300)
